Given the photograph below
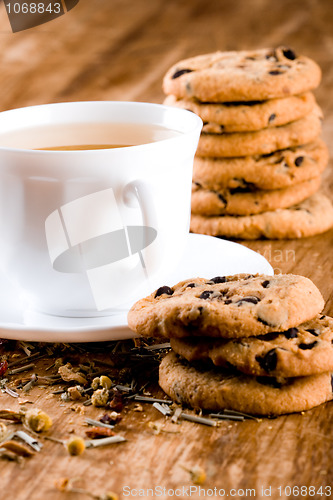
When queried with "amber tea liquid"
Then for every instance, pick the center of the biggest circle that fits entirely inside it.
(84, 136)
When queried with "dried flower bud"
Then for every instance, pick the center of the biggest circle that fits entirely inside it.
(75, 445)
(95, 383)
(62, 483)
(155, 426)
(100, 397)
(105, 382)
(198, 475)
(37, 420)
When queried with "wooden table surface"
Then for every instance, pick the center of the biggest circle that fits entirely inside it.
(120, 50)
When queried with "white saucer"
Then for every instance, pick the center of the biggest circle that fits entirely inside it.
(204, 256)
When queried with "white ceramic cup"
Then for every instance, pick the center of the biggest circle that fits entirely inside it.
(85, 233)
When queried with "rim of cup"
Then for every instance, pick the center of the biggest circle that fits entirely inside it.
(183, 121)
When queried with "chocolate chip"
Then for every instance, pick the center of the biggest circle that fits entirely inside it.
(268, 155)
(289, 54)
(322, 317)
(272, 381)
(271, 118)
(228, 301)
(268, 362)
(263, 321)
(298, 161)
(291, 333)
(306, 347)
(269, 336)
(275, 72)
(252, 300)
(219, 279)
(191, 285)
(242, 103)
(163, 290)
(265, 283)
(181, 72)
(313, 332)
(245, 188)
(222, 198)
(250, 103)
(206, 294)
(243, 185)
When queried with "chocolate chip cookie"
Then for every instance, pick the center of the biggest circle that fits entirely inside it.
(263, 141)
(227, 306)
(273, 171)
(313, 216)
(215, 389)
(242, 76)
(240, 201)
(300, 351)
(247, 116)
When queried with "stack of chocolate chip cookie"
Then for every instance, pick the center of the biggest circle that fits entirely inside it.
(254, 344)
(260, 155)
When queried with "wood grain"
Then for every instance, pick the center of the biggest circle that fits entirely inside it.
(120, 50)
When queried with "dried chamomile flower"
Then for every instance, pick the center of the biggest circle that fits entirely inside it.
(105, 382)
(100, 397)
(155, 426)
(95, 383)
(198, 475)
(75, 445)
(62, 484)
(37, 420)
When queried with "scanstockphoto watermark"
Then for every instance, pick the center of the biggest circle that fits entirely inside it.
(266, 491)
(188, 491)
(24, 14)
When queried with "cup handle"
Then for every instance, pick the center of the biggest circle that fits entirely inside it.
(141, 238)
(137, 192)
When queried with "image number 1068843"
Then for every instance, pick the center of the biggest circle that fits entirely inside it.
(28, 14)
